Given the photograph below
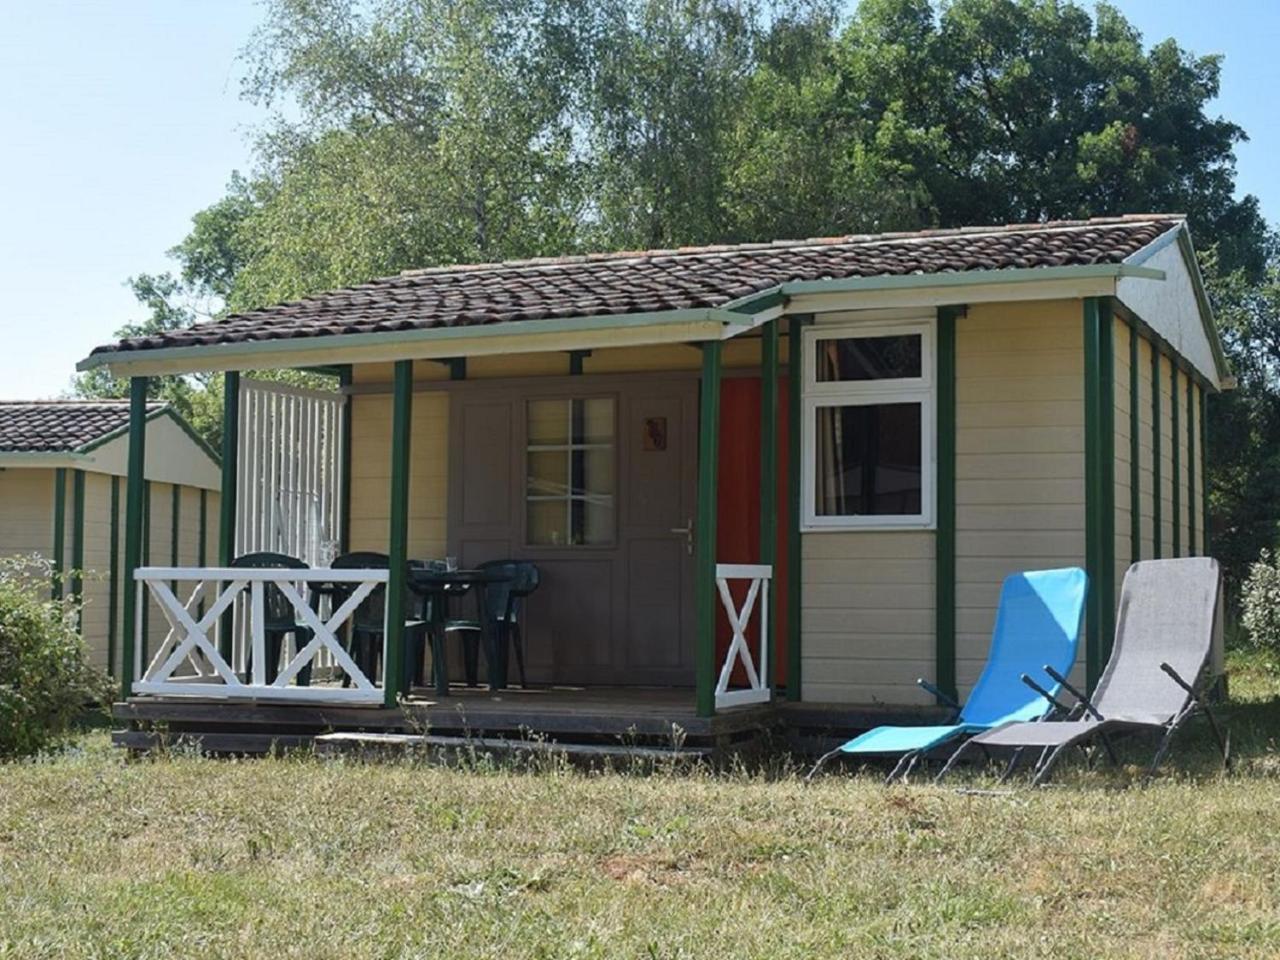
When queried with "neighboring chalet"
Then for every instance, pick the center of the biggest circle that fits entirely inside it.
(62, 466)
(869, 432)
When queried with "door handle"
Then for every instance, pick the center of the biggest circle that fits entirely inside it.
(687, 530)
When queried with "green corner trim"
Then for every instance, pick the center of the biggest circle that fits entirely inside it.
(705, 529)
(59, 529)
(77, 538)
(945, 536)
(134, 511)
(1204, 471)
(145, 614)
(1191, 468)
(398, 534)
(1135, 449)
(795, 557)
(345, 380)
(1157, 482)
(1175, 470)
(769, 482)
(175, 519)
(1099, 400)
(113, 577)
(202, 540)
(227, 503)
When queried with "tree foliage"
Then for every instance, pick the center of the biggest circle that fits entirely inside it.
(409, 133)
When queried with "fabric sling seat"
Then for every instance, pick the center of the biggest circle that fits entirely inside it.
(1164, 635)
(1037, 623)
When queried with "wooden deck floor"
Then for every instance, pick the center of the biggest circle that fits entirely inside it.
(601, 715)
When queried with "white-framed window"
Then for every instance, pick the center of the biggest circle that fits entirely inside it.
(868, 427)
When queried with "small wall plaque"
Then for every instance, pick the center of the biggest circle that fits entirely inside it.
(655, 433)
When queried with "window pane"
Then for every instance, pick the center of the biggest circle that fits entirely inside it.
(869, 358)
(549, 522)
(570, 481)
(868, 460)
(548, 473)
(548, 422)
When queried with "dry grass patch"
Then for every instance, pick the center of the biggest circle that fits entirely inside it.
(294, 857)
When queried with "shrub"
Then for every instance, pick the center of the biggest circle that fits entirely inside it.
(45, 677)
(1260, 600)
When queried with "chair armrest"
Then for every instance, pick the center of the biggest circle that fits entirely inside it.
(928, 687)
(1081, 699)
(1057, 704)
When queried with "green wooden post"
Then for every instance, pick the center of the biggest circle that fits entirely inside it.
(1135, 450)
(344, 508)
(1204, 471)
(227, 505)
(1099, 405)
(398, 539)
(945, 536)
(145, 613)
(113, 576)
(77, 541)
(59, 529)
(769, 483)
(133, 520)
(202, 541)
(1157, 492)
(1191, 467)
(175, 519)
(705, 526)
(795, 562)
(1175, 452)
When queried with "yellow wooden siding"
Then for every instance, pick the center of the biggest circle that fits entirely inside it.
(1166, 458)
(371, 473)
(26, 512)
(1019, 457)
(868, 597)
(868, 622)
(1123, 460)
(1201, 519)
(97, 564)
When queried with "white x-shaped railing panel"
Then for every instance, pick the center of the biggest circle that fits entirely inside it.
(189, 640)
(757, 689)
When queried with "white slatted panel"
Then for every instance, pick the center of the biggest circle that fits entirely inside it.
(289, 470)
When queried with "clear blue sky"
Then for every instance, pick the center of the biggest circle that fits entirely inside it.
(122, 117)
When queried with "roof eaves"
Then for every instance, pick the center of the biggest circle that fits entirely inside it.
(302, 345)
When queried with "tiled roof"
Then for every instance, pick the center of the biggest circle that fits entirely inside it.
(60, 426)
(654, 280)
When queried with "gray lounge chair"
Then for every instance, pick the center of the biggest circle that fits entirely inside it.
(1153, 681)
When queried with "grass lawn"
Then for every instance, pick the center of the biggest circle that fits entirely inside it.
(189, 857)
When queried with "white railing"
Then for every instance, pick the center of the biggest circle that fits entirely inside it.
(757, 689)
(189, 662)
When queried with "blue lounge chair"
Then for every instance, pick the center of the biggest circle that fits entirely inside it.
(1037, 624)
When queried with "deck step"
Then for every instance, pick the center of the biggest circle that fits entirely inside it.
(390, 743)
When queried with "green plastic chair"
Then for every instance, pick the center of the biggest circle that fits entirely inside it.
(280, 617)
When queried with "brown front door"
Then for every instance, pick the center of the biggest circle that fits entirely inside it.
(593, 479)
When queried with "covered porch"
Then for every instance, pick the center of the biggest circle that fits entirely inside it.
(595, 452)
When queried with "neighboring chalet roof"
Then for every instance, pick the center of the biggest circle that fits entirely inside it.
(1145, 264)
(62, 426)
